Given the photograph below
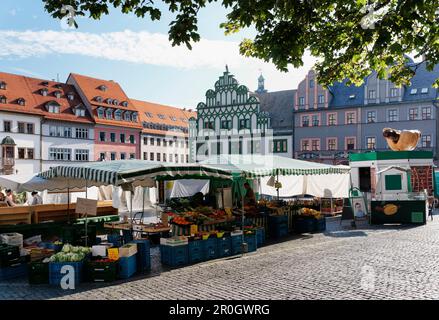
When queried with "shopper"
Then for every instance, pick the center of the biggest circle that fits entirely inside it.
(249, 198)
(36, 199)
(10, 199)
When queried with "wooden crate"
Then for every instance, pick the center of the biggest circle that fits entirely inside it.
(15, 215)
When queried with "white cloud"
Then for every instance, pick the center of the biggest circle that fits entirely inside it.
(144, 48)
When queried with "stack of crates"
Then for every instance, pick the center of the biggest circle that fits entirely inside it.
(55, 274)
(195, 249)
(210, 248)
(127, 266)
(102, 271)
(174, 255)
(251, 241)
(260, 236)
(224, 246)
(304, 225)
(11, 266)
(320, 224)
(278, 226)
(38, 272)
(235, 243)
(143, 255)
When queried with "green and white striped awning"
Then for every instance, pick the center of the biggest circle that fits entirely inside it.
(255, 166)
(128, 171)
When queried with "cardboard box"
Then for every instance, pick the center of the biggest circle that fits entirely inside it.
(128, 250)
(99, 251)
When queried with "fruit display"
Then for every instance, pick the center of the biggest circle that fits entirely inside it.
(308, 212)
(199, 216)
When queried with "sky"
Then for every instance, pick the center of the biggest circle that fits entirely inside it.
(132, 51)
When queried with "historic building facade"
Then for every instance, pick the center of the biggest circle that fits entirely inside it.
(330, 123)
(230, 121)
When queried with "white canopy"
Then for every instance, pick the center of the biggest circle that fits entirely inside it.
(32, 182)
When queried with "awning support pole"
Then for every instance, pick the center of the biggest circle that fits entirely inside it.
(86, 215)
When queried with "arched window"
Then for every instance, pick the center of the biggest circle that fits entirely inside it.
(98, 99)
(109, 101)
(21, 101)
(2, 99)
(44, 92)
(127, 116)
(115, 102)
(57, 94)
(109, 114)
(102, 88)
(125, 103)
(2, 85)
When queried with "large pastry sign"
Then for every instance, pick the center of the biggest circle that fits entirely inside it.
(401, 140)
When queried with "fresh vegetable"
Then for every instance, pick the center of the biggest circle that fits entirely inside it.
(70, 253)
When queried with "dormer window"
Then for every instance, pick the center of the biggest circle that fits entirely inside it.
(173, 118)
(21, 102)
(118, 114)
(109, 114)
(116, 102)
(148, 114)
(2, 85)
(414, 91)
(109, 101)
(127, 116)
(160, 116)
(53, 107)
(98, 99)
(44, 92)
(58, 86)
(2, 99)
(80, 111)
(125, 103)
(70, 96)
(100, 113)
(135, 117)
(57, 94)
(45, 83)
(102, 88)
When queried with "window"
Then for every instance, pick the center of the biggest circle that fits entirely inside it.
(53, 108)
(30, 128)
(176, 158)
(81, 155)
(81, 133)
(315, 120)
(109, 114)
(57, 94)
(280, 146)
(159, 142)
(171, 142)
(148, 114)
(109, 101)
(413, 114)
(102, 156)
(102, 136)
(158, 156)
(301, 101)
(350, 117)
(3, 85)
(305, 121)
(102, 88)
(125, 103)
(60, 131)
(115, 102)
(393, 92)
(332, 119)
(132, 139)
(170, 157)
(61, 154)
(164, 157)
(426, 141)
(321, 99)
(311, 83)
(145, 156)
(98, 99)
(414, 91)
(53, 131)
(305, 145)
(21, 102)
(80, 112)
(209, 125)
(127, 116)
(123, 156)
(244, 124)
(371, 116)
(21, 153)
(424, 90)
(21, 127)
(3, 99)
(145, 141)
(332, 144)
(173, 118)
(426, 113)
(122, 138)
(7, 126)
(151, 141)
(187, 158)
(350, 143)
(226, 124)
(370, 143)
(315, 144)
(182, 158)
(67, 132)
(43, 92)
(118, 115)
(70, 96)
(132, 156)
(112, 137)
(392, 115)
(30, 153)
(100, 113)
(372, 94)
(151, 156)
(113, 156)
(161, 116)
(134, 117)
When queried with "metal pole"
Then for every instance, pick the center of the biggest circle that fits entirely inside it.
(68, 201)
(86, 215)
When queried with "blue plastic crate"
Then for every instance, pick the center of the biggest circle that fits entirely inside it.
(143, 255)
(18, 271)
(115, 239)
(127, 267)
(280, 232)
(236, 242)
(304, 225)
(260, 237)
(195, 249)
(224, 247)
(210, 248)
(251, 242)
(320, 225)
(55, 274)
(174, 256)
(277, 219)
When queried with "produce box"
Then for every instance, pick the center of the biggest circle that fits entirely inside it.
(304, 225)
(101, 270)
(195, 251)
(174, 256)
(17, 271)
(260, 236)
(143, 255)
(277, 219)
(320, 225)
(210, 248)
(99, 251)
(127, 267)
(9, 255)
(38, 273)
(250, 239)
(128, 250)
(13, 239)
(55, 274)
(279, 231)
(38, 254)
(235, 242)
(224, 247)
(175, 241)
(115, 239)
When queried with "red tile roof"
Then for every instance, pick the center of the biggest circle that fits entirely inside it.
(171, 116)
(90, 87)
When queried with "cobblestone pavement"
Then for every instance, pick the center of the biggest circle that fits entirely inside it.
(386, 262)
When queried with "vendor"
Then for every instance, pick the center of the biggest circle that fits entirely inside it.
(10, 199)
(249, 198)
